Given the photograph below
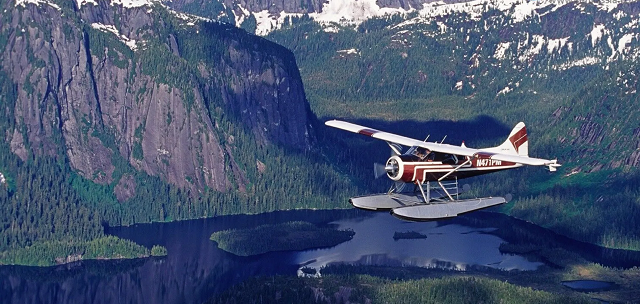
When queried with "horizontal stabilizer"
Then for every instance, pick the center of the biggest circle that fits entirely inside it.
(436, 211)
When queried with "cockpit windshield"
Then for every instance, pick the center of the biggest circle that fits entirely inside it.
(420, 152)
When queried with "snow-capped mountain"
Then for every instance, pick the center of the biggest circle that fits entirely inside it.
(557, 63)
(582, 33)
(271, 15)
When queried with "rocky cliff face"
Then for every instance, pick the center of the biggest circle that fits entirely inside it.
(106, 83)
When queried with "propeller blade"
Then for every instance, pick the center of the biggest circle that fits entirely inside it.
(400, 186)
(379, 170)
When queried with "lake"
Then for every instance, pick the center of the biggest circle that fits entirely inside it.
(195, 268)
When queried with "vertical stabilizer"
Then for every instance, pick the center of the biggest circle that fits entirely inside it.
(517, 143)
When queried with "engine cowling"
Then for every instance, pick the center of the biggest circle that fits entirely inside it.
(394, 168)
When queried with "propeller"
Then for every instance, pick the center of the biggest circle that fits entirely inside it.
(379, 170)
(390, 169)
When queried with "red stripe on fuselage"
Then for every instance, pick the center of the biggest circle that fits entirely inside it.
(434, 171)
(519, 138)
(483, 155)
(368, 132)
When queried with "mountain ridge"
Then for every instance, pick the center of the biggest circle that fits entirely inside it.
(111, 100)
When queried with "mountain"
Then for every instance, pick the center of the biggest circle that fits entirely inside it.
(105, 80)
(117, 112)
(557, 64)
(262, 17)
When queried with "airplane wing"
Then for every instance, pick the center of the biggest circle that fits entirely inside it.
(442, 148)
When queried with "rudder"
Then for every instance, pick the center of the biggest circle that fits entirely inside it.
(517, 143)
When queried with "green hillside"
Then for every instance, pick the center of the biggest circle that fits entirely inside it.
(369, 289)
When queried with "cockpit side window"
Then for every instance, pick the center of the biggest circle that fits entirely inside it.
(450, 159)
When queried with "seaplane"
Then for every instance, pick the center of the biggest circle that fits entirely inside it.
(434, 168)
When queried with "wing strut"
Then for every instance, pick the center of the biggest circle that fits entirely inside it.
(455, 169)
(468, 161)
(426, 197)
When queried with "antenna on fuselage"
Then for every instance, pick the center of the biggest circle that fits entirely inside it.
(425, 140)
(443, 139)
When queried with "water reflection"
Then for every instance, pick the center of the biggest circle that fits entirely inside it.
(195, 268)
(449, 246)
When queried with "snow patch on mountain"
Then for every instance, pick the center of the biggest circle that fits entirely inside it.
(597, 33)
(518, 9)
(504, 91)
(606, 5)
(267, 22)
(522, 11)
(624, 42)
(634, 24)
(331, 29)
(537, 42)
(191, 20)
(352, 11)
(112, 29)
(23, 3)
(131, 3)
(501, 50)
(348, 52)
(239, 18)
(439, 8)
(123, 3)
(577, 63)
(613, 49)
(407, 22)
(558, 44)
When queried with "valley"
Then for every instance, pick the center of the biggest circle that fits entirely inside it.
(119, 112)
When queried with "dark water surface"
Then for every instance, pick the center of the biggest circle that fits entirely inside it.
(195, 268)
(588, 285)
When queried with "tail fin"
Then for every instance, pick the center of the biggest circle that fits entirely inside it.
(517, 143)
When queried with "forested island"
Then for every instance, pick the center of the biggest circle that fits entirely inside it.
(408, 235)
(296, 235)
(60, 252)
